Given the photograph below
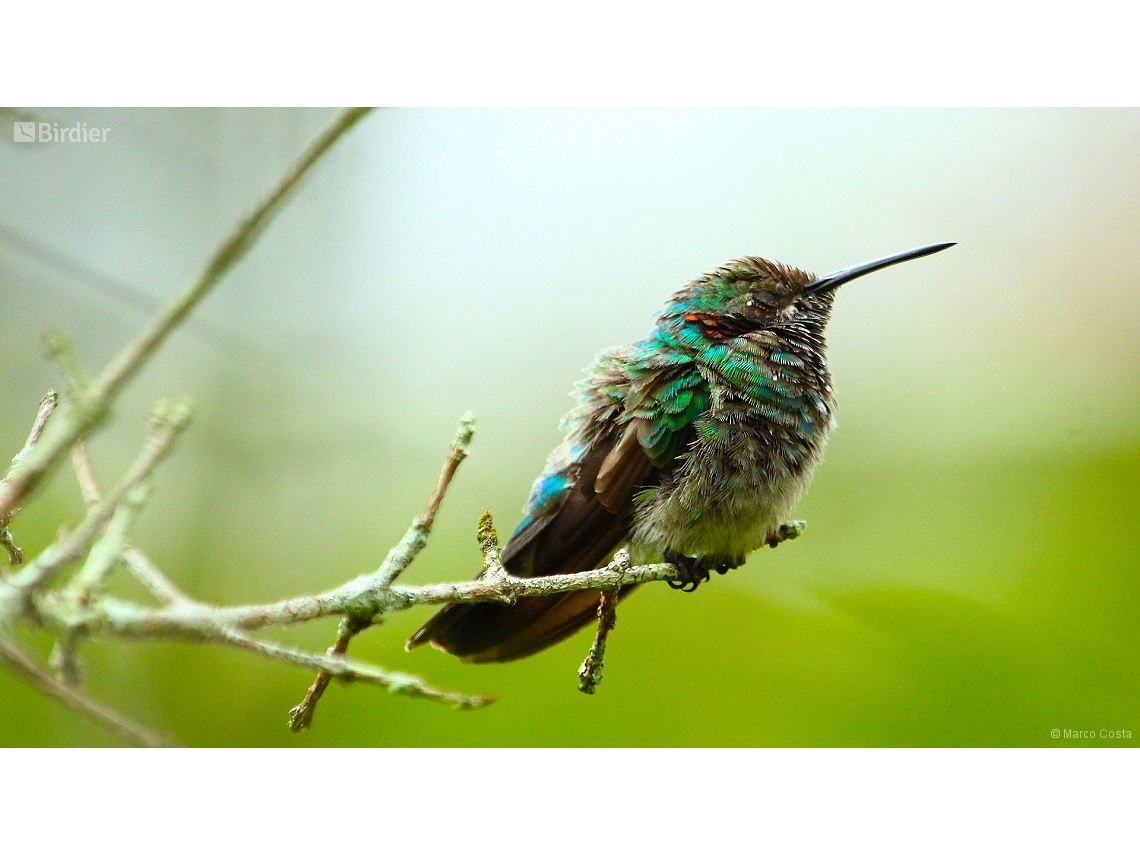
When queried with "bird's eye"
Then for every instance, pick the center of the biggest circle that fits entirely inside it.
(763, 298)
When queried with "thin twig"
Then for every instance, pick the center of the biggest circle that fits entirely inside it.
(186, 619)
(206, 631)
(115, 617)
(509, 589)
(361, 594)
(123, 727)
(416, 537)
(84, 474)
(63, 352)
(64, 659)
(91, 407)
(590, 673)
(301, 716)
(141, 567)
(46, 408)
(168, 420)
(101, 559)
(103, 556)
(456, 453)
(394, 681)
(151, 578)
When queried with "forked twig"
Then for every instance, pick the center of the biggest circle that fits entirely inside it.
(88, 405)
(301, 716)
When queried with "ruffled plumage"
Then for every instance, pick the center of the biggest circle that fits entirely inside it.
(695, 439)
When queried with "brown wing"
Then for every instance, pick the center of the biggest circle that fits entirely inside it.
(586, 529)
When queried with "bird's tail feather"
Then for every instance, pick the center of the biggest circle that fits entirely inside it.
(492, 632)
(576, 536)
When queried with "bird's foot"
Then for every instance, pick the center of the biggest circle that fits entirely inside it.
(692, 571)
(787, 531)
(726, 564)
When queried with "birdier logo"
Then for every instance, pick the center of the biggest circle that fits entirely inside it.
(52, 132)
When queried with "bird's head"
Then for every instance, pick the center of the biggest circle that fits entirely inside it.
(752, 294)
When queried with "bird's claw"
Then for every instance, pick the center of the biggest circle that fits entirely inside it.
(691, 570)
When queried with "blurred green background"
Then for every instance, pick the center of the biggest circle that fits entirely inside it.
(970, 574)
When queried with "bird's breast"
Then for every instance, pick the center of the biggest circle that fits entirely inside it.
(748, 461)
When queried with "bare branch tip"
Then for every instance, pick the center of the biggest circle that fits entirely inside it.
(62, 350)
(58, 345)
(475, 702)
(301, 717)
(464, 433)
(137, 496)
(172, 415)
(590, 672)
(47, 406)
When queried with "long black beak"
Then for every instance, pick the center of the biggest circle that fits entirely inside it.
(834, 280)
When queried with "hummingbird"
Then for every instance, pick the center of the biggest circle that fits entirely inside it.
(690, 446)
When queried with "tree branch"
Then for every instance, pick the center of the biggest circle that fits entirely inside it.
(151, 578)
(107, 550)
(301, 716)
(590, 672)
(90, 407)
(361, 594)
(394, 681)
(360, 601)
(168, 420)
(189, 618)
(84, 474)
(46, 408)
(416, 538)
(123, 727)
